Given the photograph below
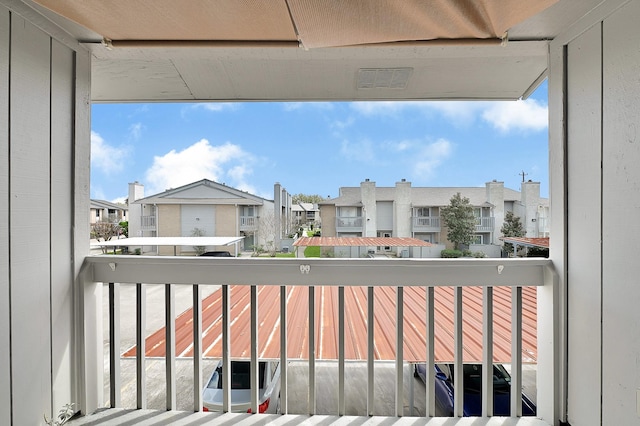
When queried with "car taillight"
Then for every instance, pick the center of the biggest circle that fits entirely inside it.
(262, 407)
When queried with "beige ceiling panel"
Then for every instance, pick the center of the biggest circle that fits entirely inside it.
(325, 23)
(225, 20)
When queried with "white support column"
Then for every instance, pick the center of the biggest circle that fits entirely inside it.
(114, 346)
(255, 368)
(312, 353)
(516, 351)
(284, 408)
(141, 346)
(399, 351)
(226, 349)
(370, 353)
(341, 395)
(458, 385)
(430, 387)
(170, 345)
(487, 352)
(197, 348)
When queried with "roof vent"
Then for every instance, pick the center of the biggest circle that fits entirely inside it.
(383, 78)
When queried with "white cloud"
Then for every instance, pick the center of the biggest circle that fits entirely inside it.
(120, 200)
(200, 161)
(521, 115)
(430, 158)
(359, 151)
(107, 158)
(136, 130)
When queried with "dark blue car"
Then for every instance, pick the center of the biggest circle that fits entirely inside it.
(473, 390)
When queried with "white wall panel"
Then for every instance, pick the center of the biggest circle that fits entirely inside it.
(5, 377)
(584, 225)
(62, 98)
(621, 228)
(30, 244)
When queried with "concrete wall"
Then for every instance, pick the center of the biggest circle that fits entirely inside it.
(44, 221)
(402, 210)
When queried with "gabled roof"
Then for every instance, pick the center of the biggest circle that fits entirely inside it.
(102, 204)
(204, 191)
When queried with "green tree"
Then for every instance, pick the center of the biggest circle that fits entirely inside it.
(459, 220)
(306, 198)
(512, 227)
(124, 226)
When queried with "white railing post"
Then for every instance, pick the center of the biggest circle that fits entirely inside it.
(141, 347)
(89, 342)
(170, 343)
(114, 346)
(549, 372)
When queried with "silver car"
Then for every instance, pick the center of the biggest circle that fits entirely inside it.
(268, 383)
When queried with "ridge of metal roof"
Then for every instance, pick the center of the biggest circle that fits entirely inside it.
(360, 242)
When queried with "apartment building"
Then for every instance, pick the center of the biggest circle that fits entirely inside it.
(105, 211)
(408, 211)
(208, 208)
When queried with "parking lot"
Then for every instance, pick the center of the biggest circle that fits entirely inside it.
(326, 371)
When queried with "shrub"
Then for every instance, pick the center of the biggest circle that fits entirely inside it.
(467, 253)
(448, 253)
(479, 254)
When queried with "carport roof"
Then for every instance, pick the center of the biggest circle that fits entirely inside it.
(360, 242)
(527, 242)
(169, 241)
(355, 327)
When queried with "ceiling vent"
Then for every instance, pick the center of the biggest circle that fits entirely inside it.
(383, 78)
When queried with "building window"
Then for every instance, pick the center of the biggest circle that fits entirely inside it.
(477, 239)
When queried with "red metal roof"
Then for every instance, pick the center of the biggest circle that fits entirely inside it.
(360, 242)
(326, 321)
(531, 242)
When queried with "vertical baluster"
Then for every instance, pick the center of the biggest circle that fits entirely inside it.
(516, 351)
(226, 350)
(170, 346)
(284, 409)
(114, 346)
(430, 394)
(341, 402)
(254, 349)
(399, 351)
(141, 314)
(197, 348)
(458, 376)
(487, 351)
(312, 353)
(370, 347)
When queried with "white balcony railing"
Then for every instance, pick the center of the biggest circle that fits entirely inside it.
(308, 273)
(148, 222)
(426, 223)
(485, 224)
(349, 223)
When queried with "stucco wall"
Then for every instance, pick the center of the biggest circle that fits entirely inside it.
(227, 225)
(168, 222)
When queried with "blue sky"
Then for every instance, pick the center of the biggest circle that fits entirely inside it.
(315, 148)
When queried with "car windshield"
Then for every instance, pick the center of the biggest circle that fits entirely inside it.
(473, 378)
(240, 376)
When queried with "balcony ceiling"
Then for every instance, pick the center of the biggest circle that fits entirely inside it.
(304, 50)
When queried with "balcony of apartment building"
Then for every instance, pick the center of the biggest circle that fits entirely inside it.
(248, 223)
(387, 349)
(349, 224)
(485, 224)
(425, 223)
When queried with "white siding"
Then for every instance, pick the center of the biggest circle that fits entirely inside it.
(621, 201)
(44, 200)
(198, 216)
(5, 348)
(584, 190)
(29, 215)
